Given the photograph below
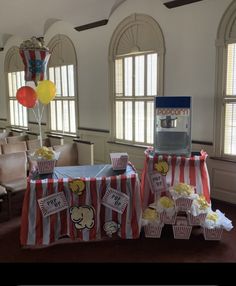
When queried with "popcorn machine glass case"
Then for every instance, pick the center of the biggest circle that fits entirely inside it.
(172, 132)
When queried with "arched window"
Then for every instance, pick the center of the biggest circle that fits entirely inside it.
(14, 69)
(225, 119)
(62, 71)
(136, 56)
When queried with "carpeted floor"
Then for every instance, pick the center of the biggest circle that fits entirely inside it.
(164, 249)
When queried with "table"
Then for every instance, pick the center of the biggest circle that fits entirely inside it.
(37, 230)
(191, 170)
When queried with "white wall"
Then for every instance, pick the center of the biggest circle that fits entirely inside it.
(189, 32)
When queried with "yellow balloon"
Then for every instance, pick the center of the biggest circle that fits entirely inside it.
(46, 91)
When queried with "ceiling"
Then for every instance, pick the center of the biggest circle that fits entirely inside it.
(27, 18)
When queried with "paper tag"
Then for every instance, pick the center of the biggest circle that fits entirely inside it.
(115, 200)
(158, 182)
(53, 204)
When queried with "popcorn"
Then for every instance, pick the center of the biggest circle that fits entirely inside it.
(150, 214)
(200, 206)
(166, 202)
(33, 44)
(44, 153)
(217, 220)
(183, 188)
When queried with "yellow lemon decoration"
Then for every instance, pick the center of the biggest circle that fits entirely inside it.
(166, 202)
(77, 186)
(212, 216)
(150, 214)
(162, 167)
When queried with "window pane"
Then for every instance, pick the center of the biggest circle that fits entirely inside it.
(119, 77)
(58, 80)
(150, 122)
(139, 75)
(72, 117)
(128, 121)
(59, 115)
(25, 123)
(53, 115)
(64, 81)
(65, 116)
(71, 80)
(231, 70)
(20, 115)
(51, 74)
(16, 109)
(139, 121)
(10, 84)
(230, 129)
(119, 120)
(152, 74)
(14, 84)
(128, 76)
(12, 118)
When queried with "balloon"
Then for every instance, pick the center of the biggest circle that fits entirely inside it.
(46, 91)
(26, 96)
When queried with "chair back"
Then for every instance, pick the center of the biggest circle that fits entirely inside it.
(14, 147)
(13, 167)
(14, 139)
(68, 154)
(85, 152)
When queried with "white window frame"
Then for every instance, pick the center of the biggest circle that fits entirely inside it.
(133, 98)
(157, 46)
(18, 113)
(63, 55)
(226, 35)
(62, 99)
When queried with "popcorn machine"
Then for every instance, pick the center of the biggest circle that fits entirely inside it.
(172, 132)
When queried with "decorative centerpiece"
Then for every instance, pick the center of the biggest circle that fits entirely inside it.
(181, 229)
(183, 195)
(214, 225)
(46, 159)
(152, 222)
(198, 211)
(166, 207)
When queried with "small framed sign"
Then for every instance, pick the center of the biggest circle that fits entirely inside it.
(115, 200)
(158, 182)
(52, 204)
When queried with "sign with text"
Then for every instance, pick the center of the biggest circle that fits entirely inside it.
(53, 204)
(158, 182)
(115, 200)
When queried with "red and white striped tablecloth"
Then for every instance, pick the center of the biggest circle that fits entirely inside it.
(190, 170)
(37, 230)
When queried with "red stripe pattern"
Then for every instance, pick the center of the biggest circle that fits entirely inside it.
(192, 170)
(39, 230)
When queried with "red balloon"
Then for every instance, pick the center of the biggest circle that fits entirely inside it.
(26, 96)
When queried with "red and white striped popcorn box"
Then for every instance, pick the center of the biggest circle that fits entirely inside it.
(181, 229)
(169, 219)
(153, 229)
(183, 204)
(196, 220)
(46, 166)
(212, 234)
(119, 161)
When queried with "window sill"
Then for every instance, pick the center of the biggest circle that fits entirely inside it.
(128, 144)
(223, 159)
(60, 135)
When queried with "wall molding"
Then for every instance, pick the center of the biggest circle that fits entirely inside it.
(91, 25)
(93, 130)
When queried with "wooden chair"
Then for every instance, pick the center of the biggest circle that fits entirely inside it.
(14, 139)
(34, 144)
(13, 175)
(14, 147)
(74, 154)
